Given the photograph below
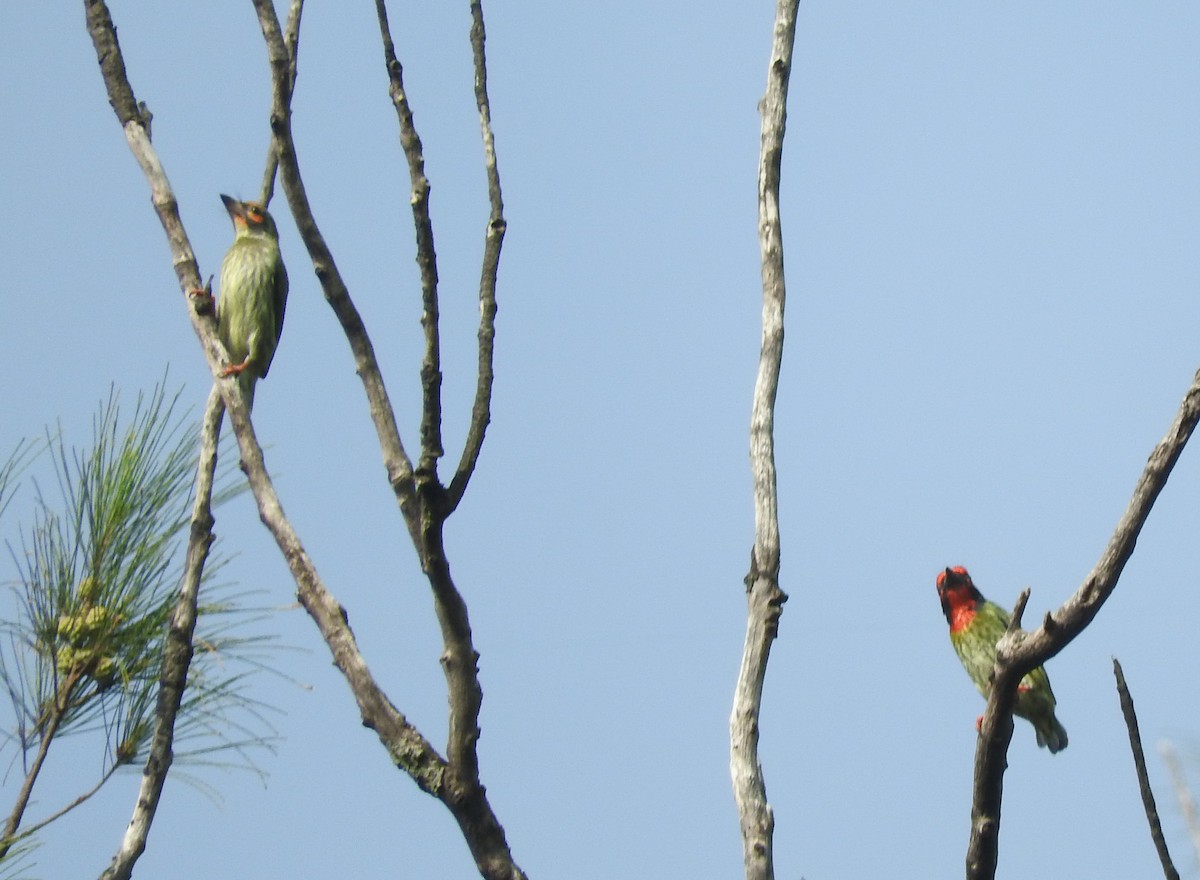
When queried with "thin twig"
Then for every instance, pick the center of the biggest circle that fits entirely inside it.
(291, 40)
(1018, 654)
(414, 153)
(765, 598)
(1018, 612)
(46, 732)
(481, 410)
(1139, 763)
(1182, 793)
(30, 830)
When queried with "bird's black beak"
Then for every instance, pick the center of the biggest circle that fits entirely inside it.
(233, 206)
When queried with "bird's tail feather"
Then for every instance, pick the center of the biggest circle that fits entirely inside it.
(1051, 734)
(247, 380)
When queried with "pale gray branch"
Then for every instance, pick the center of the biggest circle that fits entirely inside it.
(765, 598)
(1183, 794)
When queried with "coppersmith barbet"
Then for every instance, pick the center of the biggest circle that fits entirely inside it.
(254, 288)
(976, 625)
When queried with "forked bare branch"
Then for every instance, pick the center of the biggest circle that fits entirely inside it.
(421, 495)
(407, 748)
(1018, 653)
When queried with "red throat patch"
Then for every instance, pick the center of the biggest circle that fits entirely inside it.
(962, 611)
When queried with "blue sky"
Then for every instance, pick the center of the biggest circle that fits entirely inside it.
(990, 215)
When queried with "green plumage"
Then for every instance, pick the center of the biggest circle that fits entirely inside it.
(254, 287)
(976, 625)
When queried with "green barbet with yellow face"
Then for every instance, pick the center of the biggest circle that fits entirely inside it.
(976, 625)
(254, 288)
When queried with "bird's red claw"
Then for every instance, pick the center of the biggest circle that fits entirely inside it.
(233, 369)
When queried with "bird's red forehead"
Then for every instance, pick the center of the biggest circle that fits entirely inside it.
(957, 569)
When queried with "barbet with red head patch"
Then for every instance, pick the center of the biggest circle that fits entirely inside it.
(976, 625)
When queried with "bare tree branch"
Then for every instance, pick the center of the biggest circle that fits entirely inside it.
(414, 152)
(481, 411)
(396, 461)
(404, 743)
(470, 807)
(134, 119)
(421, 495)
(411, 751)
(1182, 794)
(179, 646)
(132, 116)
(1018, 653)
(177, 654)
(291, 41)
(1139, 763)
(764, 597)
(456, 781)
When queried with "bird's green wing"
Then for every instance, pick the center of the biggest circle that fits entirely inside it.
(281, 292)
